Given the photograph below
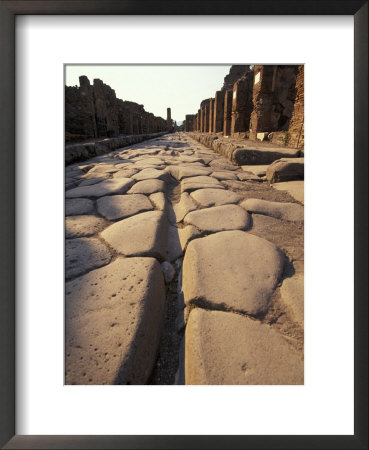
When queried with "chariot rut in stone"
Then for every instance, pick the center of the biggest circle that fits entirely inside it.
(184, 243)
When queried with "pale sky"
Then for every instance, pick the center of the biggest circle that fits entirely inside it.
(157, 87)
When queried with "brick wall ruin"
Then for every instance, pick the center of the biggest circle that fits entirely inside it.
(257, 99)
(94, 111)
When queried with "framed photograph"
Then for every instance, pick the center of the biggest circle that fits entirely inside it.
(73, 168)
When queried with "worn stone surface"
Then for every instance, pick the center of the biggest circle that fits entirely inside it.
(120, 206)
(259, 171)
(247, 176)
(219, 218)
(147, 187)
(174, 244)
(79, 226)
(83, 255)
(107, 187)
(147, 174)
(144, 234)
(231, 270)
(201, 182)
(183, 207)
(113, 320)
(294, 188)
(158, 199)
(224, 175)
(215, 197)
(224, 348)
(292, 294)
(78, 206)
(285, 211)
(186, 234)
(179, 172)
(286, 169)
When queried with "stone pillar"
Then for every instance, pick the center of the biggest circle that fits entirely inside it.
(86, 93)
(296, 128)
(206, 116)
(169, 119)
(202, 119)
(242, 103)
(264, 80)
(218, 112)
(227, 113)
(211, 114)
(198, 124)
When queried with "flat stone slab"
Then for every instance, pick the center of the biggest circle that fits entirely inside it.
(91, 181)
(201, 182)
(262, 155)
(174, 244)
(78, 206)
(292, 295)
(215, 197)
(223, 348)
(120, 206)
(151, 174)
(144, 234)
(222, 164)
(183, 207)
(285, 211)
(113, 321)
(224, 175)
(80, 226)
(294, 188)
(147, 187)
(186, 234)
(179, 172)
(248, 176)
(219, 218)
(125, 173)
(107, 187)
(259, 171)
(83, 255)
(159, 200)
(286, 169)
(231, 270)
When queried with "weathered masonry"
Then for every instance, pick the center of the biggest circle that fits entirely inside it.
(94, 111)
(256, 102)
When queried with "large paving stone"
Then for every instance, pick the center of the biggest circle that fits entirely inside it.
(183, 207)
(222, 164)
(180, 172)
(231, 270)
(159, 200)
(144, 234)
(215, 197)
(114, 317)
(120, 206)
(292, 295)
(261, 156)
(91, 181)
(248, 176)
(223, 348)
(186, 234)
(294, 188)
(286, 169)
(79, 226)
(201, 182)
(107, 187)
(83, 255)
(219, 218)
(224, 175)
(285, 211)
(147, 187)
(260, 171)
(125, 173)
(151, 174)
(78, 206)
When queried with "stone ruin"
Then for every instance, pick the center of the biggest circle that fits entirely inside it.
(263, 102)
(94, 111)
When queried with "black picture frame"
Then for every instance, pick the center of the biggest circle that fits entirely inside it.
(8, 12)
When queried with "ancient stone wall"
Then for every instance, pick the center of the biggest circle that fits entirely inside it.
(242, 103)
(296, 128)
(256, 102)
(94, 111)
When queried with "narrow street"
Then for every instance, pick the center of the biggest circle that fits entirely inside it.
(182, 268)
